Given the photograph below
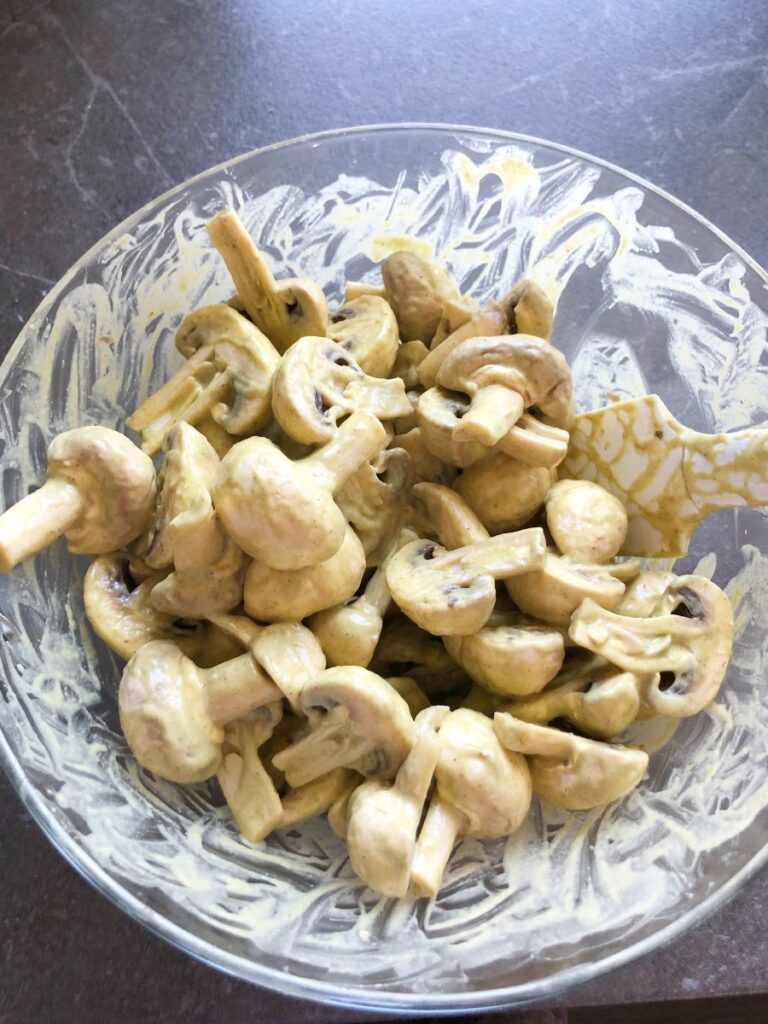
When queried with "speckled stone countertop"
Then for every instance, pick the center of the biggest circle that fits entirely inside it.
(104, 105)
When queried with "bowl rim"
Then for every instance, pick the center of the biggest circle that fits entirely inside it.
(250, 970)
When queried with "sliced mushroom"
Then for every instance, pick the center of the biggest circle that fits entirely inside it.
(227, 376)
(382, 819)
(504, 376)
(354, 289)
(358, 721)
(535, 443)
(217, 437)
(374, 500)
(482, 790)
(572, 771)
(424, 464)
(198, 587)
(480, 700)
(172, 712)
(290, 655)
(687, 640)
(528, 309)
(411, 692)
(586, 522)
(488, 323)
(410, 356)
(503, 492)
(366, 328)
(286, 595)
(553, 592)
(317, 796)
(642, 595)
(99, 494)
(285, 310)
(249, 791)
(417, 290)
(456, 313)
(283, 513)
(452, 593)
(339, 809)
(406, 650)
(446, 515)
(437, 414)
(319, 383)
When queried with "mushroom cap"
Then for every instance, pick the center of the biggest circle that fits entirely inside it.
(274, 595)
(164, 714)
(437, 414)
(373, 499)
(571, 771)
(528, 309)
(523, 363)
(200, 590)
(116, 482)
(554, 592)
(442, 512)
(406, 650)
(290, 655)
(349, 632)
(587, 523)
(503, 492)
(273, 509)
(417, 290)
(490, 785)
(366, 327)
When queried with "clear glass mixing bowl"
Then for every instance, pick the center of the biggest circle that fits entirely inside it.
(651, 298)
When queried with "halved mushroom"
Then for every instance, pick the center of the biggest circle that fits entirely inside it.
(687, 640)
(572, 771)
(354, 289)
(642, 595)
(410, 356)
(417, 290)
(587, 522)
(411, 692)
(285, 310)
(283, 513)
(227, 376)
(339, 809)
(366, 328)
(286, 595)
(482, 790)
(290, 655)
(528, 309)
(99, 494)
(374, 500)
(406, 650)
(487, 323)
(358, 721)
(452, 593)
(535, 443)
(553, 592)
(503, 492)
(319, 383)
(217, 437)
(504, 376)
(382, 819)
(172, 712)
(456, 313)
(424, 464)
(446, 515)
(206, 580)
(318, 796)
(249, 791)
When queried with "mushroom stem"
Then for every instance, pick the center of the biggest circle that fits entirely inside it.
(415, 774)
(436, 841)
(236, 687)
(493, 411)
(501, 556)
(358, 439)
(329, 745)
(317, 796)
(247, 787)
(450, 518)
(37, 521)
(531, 739)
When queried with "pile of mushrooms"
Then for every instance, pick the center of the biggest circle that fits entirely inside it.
(353, 583)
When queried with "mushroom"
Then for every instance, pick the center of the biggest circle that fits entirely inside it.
(217, 437)
(354, 289)
(207, 579)
(487, 323)
(285, 310)
(290, 655)
(319, 383)
(511, 656)
(410, 356)
(406, 650)
(553, 592)
(382, 819)
(446, 515)
(317, 796)
(452, 593)
(535, 443)
(411, 692)
(482, 790)
(687, 640)
(503, 492)
(417, 290)
(172, 712)
(349, 631)
(339, 809)
(227, 376)
(504, 376)
(643, 593)
(587, 522)
(358, 721)
(528, 309)
(247, 787)
(366, 328)
(456, 313)
(424, 464)
(283, 513)
(100, 493)
(374, 499)
(480, 700)
(572, 771)
(274, 595)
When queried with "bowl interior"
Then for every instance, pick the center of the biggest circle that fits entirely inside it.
(650, 298)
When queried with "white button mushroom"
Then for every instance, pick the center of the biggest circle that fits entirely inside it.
(249, 791)
(687, 640)
(285, 310)
(382, 820)
(553, 592)
(417, 290)
(487, 323)
(503, 492)
(358, 721)
(173, 713)
(99, 494)
(410, 356)
(587, 523)
(283, 513)
(318, 383)
(571, 771)
(528, 309)
(366, 328)
(318, 796)
(482, 790)
(374, 501)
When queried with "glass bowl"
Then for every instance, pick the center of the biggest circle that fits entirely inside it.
(651, 298)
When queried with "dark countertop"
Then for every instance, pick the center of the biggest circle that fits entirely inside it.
(107, 104)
